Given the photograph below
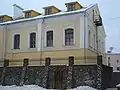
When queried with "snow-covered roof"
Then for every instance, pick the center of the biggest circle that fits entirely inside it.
(52, 15)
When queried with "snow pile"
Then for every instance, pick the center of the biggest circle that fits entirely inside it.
(83, 88)
(25, 87)
(35, 87)
(118, 85)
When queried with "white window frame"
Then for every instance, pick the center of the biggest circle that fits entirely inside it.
(64, 35)
(29, 39)
(45, 45)
(13, 41)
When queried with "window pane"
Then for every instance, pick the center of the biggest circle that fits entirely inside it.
(71, 7)
(32, 40)
(16, 41)
(49, 37)
(28, 14)
(69, 37)
(48, 11)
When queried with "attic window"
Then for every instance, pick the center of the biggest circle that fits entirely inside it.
(48, 11)
(27, 14)
(1, 19)
(71, 7)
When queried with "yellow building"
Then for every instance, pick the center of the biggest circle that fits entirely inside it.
(77, 32)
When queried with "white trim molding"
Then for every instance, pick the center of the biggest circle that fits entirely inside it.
(53, 37)
(13, 40)
(39, 36)
(74, 31)
(29, 39)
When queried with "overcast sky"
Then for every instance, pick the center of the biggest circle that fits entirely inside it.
(109, 9)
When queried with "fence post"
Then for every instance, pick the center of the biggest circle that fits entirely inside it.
(99, 72)
(25, 64)
(45, 75)
(6, 63)
(70, 72)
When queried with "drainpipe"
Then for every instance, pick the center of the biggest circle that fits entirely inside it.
(85, 37)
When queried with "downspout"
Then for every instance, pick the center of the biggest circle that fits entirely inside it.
(85, 37)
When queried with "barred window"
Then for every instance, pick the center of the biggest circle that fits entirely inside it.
(49, 37)
(17, 41)
(69, 37)
(32, 40)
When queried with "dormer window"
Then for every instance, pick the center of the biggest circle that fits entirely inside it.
(71, 7)
(28, 14)
(4, 18)
(48, 11)
(31, 13)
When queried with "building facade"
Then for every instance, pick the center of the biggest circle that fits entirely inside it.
(77, 32)
(114, 61)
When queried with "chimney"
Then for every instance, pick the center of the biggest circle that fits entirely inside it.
(18, 12)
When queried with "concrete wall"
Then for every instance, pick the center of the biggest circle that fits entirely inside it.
(56, 77)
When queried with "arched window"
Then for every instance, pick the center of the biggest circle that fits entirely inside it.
(32, 40)
(69, 36)
(49, 38)
(17, 41)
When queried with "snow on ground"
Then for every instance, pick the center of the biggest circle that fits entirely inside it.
(35, 87)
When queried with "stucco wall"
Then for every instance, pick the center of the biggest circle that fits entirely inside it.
(24, 29)
(58, 25)
(2, 44)
(101, 34)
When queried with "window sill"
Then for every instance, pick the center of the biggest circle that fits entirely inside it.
(32, 49)
(49, 46)
(16, 49)
(69, 45)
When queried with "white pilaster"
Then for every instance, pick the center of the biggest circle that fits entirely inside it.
(39, 38)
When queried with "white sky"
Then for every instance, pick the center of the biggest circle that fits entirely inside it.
(110, 12)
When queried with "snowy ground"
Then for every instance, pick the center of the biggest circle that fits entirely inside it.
(35, 87)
